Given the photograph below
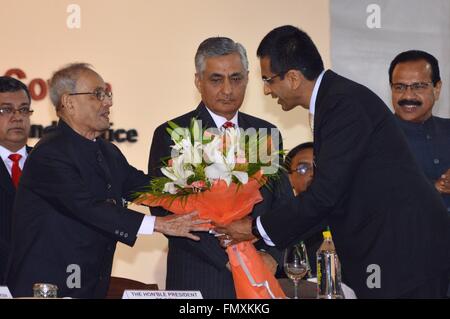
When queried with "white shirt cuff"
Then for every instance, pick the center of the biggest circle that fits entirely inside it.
(263, 233)
(147, 226)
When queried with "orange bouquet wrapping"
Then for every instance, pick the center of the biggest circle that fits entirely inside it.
(221, 187)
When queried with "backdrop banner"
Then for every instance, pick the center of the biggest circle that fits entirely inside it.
(366, 35)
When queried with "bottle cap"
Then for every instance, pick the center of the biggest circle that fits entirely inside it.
(326, 234)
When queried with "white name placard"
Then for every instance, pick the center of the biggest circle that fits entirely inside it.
(5, 293)
(162, 294)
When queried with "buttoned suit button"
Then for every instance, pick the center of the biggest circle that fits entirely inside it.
(436, 161)
(108, 186)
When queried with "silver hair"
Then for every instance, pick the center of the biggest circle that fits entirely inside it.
(65, 81)
(218, 46)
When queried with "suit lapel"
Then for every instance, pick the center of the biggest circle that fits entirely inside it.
(5, 179)
(243, 122)
(203, 115)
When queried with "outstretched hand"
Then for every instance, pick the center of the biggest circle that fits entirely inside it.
(235, 232)
(182, 225)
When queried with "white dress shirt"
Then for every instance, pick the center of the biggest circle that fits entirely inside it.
(220, 120)
(147, 226)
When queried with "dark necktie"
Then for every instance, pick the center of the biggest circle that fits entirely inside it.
(15, 171)
(228, 124)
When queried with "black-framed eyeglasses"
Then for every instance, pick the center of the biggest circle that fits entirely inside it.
(415, 87)
(9, 111)
(99, 94)
(303, 168)
(269, 80)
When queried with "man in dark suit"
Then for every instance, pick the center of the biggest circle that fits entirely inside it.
(68, 213)
(389, 225)
(221, 78)
(416, 85)
(15, 114)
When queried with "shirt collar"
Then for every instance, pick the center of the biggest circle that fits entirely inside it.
(4, 152)
(312, 102)
(220, 120)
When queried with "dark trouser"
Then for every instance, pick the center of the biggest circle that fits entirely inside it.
(435, 288)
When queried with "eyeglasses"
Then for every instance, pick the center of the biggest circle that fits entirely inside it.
(99, 94)
(269, 80)
(303, 168)
(415, 87)
(9, 111)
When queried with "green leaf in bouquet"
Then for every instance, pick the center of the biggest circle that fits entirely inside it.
(196, 131)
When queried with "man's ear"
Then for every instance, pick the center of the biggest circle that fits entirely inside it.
(294, 78)
(246, 78)
(66, 102)
(437, 90)
(198, 83)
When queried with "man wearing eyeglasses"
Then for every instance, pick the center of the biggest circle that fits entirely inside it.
(14, 130)
(416, 85)
(68, 213)
(300, 166)
(389, 225)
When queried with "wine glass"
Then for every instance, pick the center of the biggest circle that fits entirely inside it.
(296, 264)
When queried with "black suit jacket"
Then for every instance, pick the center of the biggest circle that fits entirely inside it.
(381, 209)
(68, 215)
(7, 194)
(201, 265)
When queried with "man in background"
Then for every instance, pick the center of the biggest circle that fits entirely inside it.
(416, 85)
(15, 112)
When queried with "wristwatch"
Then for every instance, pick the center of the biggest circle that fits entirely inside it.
(255, 230)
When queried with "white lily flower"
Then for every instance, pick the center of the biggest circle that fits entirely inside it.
(218, 171)
(223, 167)
(212, 152)
(241, 176)
(170, 188)
(178, 172)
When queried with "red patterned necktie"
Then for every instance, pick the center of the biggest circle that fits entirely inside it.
(228, 124)
(15, 171)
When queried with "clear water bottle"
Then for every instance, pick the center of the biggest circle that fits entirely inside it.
(328, 270)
